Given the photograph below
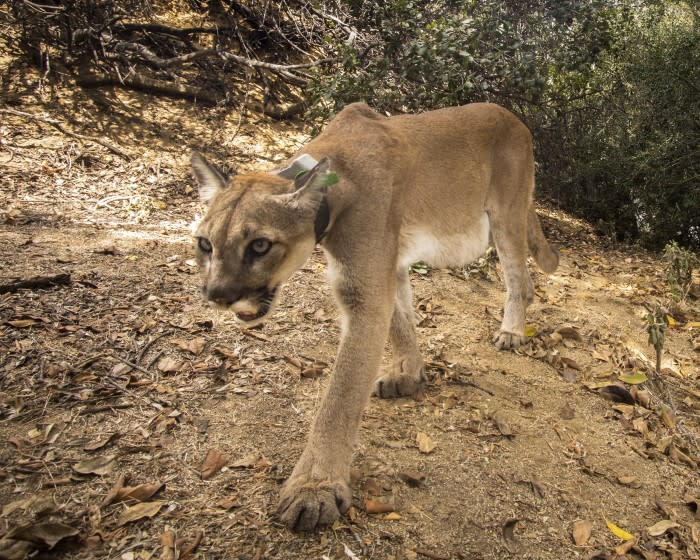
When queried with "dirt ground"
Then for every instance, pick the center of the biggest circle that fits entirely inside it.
(136, 423)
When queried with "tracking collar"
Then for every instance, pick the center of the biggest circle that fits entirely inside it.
(300, 166)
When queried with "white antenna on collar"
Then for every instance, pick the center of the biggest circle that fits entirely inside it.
(302, 164)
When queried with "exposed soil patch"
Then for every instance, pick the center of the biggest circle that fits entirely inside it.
(124, 378)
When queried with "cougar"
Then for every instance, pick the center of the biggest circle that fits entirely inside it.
(377, 193)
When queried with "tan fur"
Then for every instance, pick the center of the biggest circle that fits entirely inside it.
(434, 186)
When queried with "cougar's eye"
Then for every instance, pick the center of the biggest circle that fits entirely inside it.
(260, 246)
(204, 245)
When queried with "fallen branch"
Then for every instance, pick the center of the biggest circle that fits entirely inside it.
(57, 124)
(36, 283)
(154, 60)
(138, 82)
(167, 30)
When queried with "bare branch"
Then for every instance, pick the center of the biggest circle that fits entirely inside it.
(270, 66)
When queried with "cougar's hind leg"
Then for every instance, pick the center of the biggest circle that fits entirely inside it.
(406, 376)
(510, 237)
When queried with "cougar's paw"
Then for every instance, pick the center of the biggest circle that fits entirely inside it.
(394, 385)
(507, 340)
(312, 505)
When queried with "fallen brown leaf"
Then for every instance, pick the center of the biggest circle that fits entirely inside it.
(569, 332)
(630, 481)
(112, 494)
(668, 416)
(44, 534)
(167, 541)
(247, 462)
(679, 457)
(11, 549)
(22, 503)
(22, 323)
(168, 364)
(431, 554)
(412, 478)
(502, 422)
(569, 362)
(425, 443)
(659, 528)
(229, 503)
(581, 531)
(509, 539)
(312, 372)
(100, 443)
(372, 487)
(139, 511)
(226, 352)
(140, 493)
(642, 396)
(693, 503)
(293, 360)
(194, 346)
(213, 462)
(98, 465)
(625, 547)
(186, 549)
(641, 426)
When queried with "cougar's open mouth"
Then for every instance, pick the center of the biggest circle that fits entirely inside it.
(248, 317)
(265, 300)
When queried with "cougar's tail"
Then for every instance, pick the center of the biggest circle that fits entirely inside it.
(546, 256)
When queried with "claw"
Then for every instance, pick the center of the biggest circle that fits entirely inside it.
(313, 505)
(399, 383)
(507, 341)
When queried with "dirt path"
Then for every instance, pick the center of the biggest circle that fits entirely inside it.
(124, 372)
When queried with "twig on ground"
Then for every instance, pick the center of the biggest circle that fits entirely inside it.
(430, 554)
(56, 124)
(36, 283)
(150, 343)
(131, 364)
(131, 393)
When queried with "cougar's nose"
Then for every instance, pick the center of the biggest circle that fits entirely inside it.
(221, 296)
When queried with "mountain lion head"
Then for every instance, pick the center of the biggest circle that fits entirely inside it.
(259, 229)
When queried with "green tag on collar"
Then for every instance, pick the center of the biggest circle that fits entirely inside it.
(331, 178)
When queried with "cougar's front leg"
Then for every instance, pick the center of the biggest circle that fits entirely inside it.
(406, 376)
(318, 489)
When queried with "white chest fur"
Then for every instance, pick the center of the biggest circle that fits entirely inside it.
(419, 243)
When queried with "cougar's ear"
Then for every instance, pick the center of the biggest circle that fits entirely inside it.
(209, 177)
(310, 188)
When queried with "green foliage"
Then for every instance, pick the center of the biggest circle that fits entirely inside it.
(630, 156)
(657, 323)
(609, 89)
(420, 267)
(679, 269)
(420, 55)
